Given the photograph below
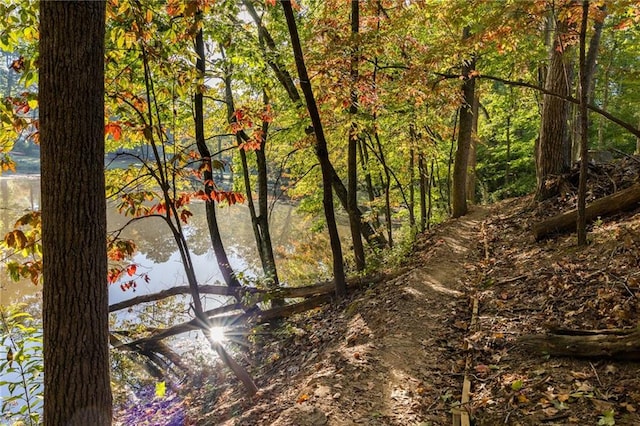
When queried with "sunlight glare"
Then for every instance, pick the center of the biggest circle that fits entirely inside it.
(217, 334)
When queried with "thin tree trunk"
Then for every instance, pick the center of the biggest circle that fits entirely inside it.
(387, 184)
(260, 219)
(507, 167)
(412, 154)
(450, 159)
(423, 192)
(321, 150)
(431, 183)
(584, 125)
(473, 146)
(210, 208)
(352, 164)
(74, 221)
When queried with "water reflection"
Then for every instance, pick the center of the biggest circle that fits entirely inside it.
(157, 255)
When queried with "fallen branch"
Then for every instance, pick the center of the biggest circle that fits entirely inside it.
(219, 290)
(614, 203)
(325, 287)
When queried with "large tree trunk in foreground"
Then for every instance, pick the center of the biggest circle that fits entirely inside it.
(622, 344)
(622, 200)
(75, 297)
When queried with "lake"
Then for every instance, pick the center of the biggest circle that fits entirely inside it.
(156, 254)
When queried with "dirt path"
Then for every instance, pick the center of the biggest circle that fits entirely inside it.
(389, 356)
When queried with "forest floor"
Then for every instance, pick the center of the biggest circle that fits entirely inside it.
(397, 353)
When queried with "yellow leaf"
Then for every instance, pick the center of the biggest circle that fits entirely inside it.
(304, 397)
(161, 389)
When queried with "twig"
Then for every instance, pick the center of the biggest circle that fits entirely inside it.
(596, 373)
(513, 279)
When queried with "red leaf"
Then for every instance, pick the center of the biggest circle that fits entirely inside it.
(114, 129)
(185, 215)
(131, 269)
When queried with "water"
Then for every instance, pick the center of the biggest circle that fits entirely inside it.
(156, 254)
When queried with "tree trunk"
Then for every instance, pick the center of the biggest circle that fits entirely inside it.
(422, 172)
(210, 207)
(321, 151)
(75, 297)
(352, 164)
(473, 146)
(459, 198)
(553, 152)
(584, 126)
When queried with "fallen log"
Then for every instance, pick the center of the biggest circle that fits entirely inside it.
(325, 287)
(620, 201)
(219, 290)
(620, 345)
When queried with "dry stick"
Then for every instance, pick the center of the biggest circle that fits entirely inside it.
(461, 416)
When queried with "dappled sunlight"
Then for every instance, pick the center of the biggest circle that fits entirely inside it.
(436, 285)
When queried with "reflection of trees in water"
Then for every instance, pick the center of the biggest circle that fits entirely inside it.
(154, 239)
(151, 235)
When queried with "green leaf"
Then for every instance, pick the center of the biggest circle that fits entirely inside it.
(517, 385)
(607, 418)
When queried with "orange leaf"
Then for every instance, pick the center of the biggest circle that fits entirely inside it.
(131, 269)
(114, 130)
(304, 397)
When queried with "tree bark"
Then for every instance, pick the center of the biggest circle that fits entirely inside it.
(622, 200)
(75, 297)
(553, 153)
(459, 193)
(622, 346)
(321, 151)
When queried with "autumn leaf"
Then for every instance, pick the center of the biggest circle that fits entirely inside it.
(304, 397)
(185, 215)
(131, 269)
(18, 64)
(114, 129)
